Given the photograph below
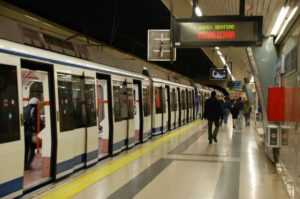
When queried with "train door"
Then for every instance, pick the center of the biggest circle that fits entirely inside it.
(169, 109)
(194, 104)
(137, 113)
(175, 108)
(146, 102)
(130, 140)
(123, 112)
(172, 110)
(158, 110)
(187, 105)
(103, 105)
(38, 122)
(179, 107)
(165, 109)
(183, 106)
(77, 144)
(11, 136)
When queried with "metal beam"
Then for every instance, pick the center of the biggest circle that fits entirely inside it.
(195, 4)
(242, 7)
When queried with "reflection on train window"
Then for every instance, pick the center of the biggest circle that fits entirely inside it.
(183, 100)
(160, 100)
(163, 99)
(190, 100)
(100, 92)
(72, 101)
(90, 102)
(65, 102)
(130, 102)
(77, 97)
(120, 102)
(174, 100)
(146, 101)
(9, 109)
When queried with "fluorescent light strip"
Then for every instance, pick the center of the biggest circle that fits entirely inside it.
(198, 11)
(280, 19)
(291, 16)
(223, 60)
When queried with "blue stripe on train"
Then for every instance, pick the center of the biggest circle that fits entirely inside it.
(156, 131)
(10, 187)
(69, 164)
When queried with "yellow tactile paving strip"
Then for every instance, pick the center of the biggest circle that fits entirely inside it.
(92, 176)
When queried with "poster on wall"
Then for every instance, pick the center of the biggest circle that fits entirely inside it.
(278, 72)
(291, 61)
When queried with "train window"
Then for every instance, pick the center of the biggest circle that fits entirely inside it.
(90, 102)
(100, 97)
(9, 104)
(130, 103)
(65, 101)
(77, 98)
(190, 99)
(146, 101)
(183, 100)
(163, 99)
(174, 100)
(159, 100)
(120, 102)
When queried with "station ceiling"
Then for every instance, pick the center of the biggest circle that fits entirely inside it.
(122, 24)
(266, 8)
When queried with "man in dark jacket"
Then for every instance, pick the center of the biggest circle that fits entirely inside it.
(30, 115)
(213, 113)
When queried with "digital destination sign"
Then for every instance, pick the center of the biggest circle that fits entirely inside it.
(218, 74)
(218, 31)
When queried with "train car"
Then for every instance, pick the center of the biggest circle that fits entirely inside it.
(146, 110)
(159, 107)
(76, 120)
(60, 114)
(174, 107)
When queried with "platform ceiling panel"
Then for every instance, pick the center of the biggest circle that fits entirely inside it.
(266, 8)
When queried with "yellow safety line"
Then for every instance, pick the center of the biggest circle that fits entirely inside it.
(92, 176)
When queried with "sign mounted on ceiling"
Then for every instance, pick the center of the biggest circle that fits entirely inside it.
(218, 74)
(159, 46)
(235, 85)
(218, 31)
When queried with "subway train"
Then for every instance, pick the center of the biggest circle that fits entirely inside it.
(83, 112)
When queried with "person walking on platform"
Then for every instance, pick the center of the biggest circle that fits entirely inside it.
(227, 107)
(222, 111)
(235, 111)
(247, 112)
(212, 113)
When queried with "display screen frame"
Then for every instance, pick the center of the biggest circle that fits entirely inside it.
(258, 20)
(219, 70)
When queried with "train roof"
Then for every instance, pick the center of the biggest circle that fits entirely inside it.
(171, 83)
(29, 52)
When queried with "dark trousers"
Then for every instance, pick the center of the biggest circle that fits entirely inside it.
(29, 151)
(213, 134)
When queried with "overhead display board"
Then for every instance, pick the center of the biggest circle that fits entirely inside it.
(235, 85)
(218, 31)
(218, 74)
(159, 46)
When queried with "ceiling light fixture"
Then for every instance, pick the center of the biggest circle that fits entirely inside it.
(279, 20)
(287, 21)
(198, 11)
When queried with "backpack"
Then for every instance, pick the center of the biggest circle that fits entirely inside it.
(28, 116)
